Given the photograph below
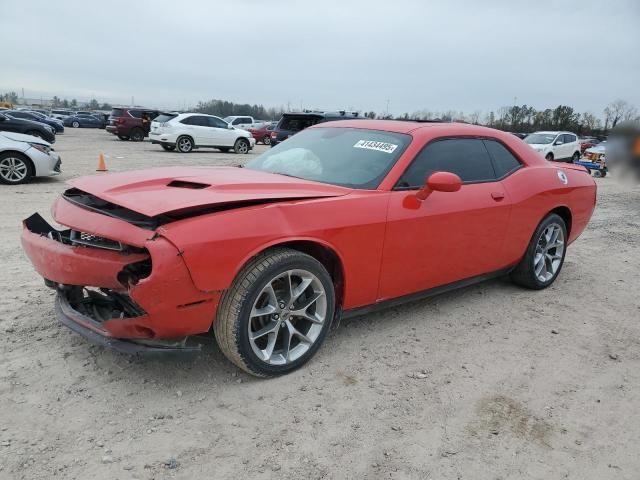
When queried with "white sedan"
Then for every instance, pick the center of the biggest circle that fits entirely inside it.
(23, 157)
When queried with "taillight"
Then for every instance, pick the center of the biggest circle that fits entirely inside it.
(120, 120)
(274, 135)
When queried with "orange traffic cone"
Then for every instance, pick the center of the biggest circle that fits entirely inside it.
(102, 167)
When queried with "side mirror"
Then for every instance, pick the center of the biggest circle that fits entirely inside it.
(440, 182)
(229, 126)
(558, 142)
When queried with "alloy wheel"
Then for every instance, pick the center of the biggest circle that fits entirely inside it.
(287, 317)
(75, 124)
(13, 169)
(242, 147)
(184, 145)
(549, 252)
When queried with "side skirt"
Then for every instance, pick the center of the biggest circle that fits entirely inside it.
(431, 292)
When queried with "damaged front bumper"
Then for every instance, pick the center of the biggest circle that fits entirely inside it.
(134, 294)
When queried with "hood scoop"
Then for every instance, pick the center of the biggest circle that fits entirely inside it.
(187, 184)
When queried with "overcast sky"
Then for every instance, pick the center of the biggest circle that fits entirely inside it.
(330, 54)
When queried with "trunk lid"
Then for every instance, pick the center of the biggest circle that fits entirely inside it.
(171, 189)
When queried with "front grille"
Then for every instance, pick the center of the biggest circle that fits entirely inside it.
(90, 240)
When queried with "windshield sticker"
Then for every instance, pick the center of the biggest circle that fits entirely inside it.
(373, 145)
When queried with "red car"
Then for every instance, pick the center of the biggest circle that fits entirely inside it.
(342, 218)
(586, 143)
(262, 134)
(131, 123)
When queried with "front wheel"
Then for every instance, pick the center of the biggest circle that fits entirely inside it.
(75, 124)
(223, 149)
(241, 146)
(276, 314)
(544, 257)
(549, 157)
(14, 168)
(576, 157)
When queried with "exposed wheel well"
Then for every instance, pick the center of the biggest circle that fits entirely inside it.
(565, 214)
(327, 257)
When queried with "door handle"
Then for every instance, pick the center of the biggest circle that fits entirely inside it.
(497, 196)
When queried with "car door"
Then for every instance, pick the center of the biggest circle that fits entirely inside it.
(571, 143)
(197, 128)
(224, 136)
(450, 236)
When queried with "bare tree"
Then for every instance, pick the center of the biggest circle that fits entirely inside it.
(616, 111)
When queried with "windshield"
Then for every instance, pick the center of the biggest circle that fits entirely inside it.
(228, 119)
(540, 138)
(348, 157)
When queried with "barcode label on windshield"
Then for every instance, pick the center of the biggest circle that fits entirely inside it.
(373, 145)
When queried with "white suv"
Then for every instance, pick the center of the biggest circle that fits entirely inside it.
(187, 131)
(555, 146)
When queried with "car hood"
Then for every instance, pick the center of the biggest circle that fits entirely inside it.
(21, 137)
(172, 189)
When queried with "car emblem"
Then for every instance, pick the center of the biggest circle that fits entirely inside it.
(563, 177)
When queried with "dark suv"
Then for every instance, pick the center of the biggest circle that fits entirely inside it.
(131, 123)
(292, 123)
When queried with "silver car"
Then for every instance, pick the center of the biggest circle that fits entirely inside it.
(23, 157)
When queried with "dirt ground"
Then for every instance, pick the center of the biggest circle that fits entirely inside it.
(488, 382)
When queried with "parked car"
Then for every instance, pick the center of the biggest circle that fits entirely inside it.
(60, 114)
(594, 160)
(37, 117)
(188, 131)
(341, 219)
(83, 121)
(131, 123)
(519, 135)
(292, 123)
(244, 122)
(588, 142)
(23, 157)
(262, 134)
(28, 127)
(555, 146)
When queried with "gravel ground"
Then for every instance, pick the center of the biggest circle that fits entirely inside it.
(488, 382)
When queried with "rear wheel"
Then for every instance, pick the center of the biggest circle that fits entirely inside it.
(276, 314)
(267, 140)
(544, 257)
(549, 157)
(123, 137)
(14, 168)
(576, 157)
(184, 144)
(75, 124)
(137, 135)
(224, 149)
(241, 146)
(603, 173)
(169, 148)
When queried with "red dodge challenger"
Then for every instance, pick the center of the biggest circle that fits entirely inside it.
(341, 218)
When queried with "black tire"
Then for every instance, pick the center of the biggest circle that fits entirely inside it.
(524, 273)
(137, 135)
(224, 149)
(231, 327)
(549, 157)
(267, 140)
(184, 144)
(75, 124)
(169, 148)
(603, 173)
(124, 138)
(18, 161)
(241, 146)
(575, 158)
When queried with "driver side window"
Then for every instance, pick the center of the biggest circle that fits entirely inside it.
(466, 157)
(217, 123)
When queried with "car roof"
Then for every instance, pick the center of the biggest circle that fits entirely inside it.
(402, 126)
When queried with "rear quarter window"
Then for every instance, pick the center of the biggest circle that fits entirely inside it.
(117, 112)
(504, 161)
